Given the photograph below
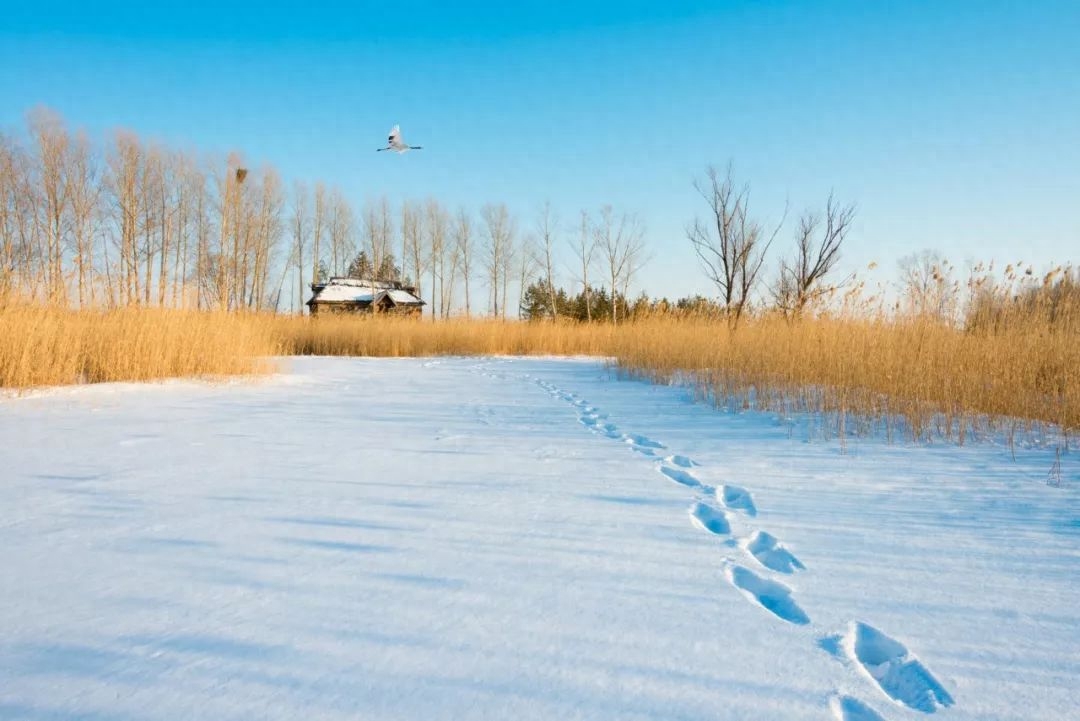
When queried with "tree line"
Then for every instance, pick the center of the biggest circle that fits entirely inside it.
(131, 222)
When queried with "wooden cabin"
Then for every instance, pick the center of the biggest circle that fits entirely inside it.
(368, 296)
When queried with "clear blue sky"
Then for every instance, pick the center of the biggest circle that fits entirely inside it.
(953, 125)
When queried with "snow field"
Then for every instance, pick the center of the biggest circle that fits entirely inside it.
(439, 539)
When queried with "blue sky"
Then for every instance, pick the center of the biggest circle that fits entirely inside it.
(952, 125)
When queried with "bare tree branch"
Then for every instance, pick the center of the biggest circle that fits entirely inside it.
(733, 250)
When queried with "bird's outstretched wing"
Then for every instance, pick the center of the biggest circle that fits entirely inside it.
(395, 135)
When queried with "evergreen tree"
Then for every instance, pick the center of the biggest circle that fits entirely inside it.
(536, 301)
(360, 267)
(388, 269)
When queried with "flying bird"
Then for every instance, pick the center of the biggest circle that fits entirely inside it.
(396, 143)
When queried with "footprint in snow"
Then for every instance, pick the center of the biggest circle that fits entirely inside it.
(643, 441)
(737, 499)
(895, 670)
(770, 553)
(681, 461)
(709, 519)
(846, 708)
(680, 476)
(773, 596)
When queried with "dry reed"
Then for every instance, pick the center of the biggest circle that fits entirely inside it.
(917, 376)
(397, 337)
(927, 376)
(41, 345)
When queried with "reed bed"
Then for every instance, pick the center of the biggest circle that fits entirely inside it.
(45, 346)
(917, 377)
(400, 337)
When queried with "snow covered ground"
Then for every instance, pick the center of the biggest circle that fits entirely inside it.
(515, 539)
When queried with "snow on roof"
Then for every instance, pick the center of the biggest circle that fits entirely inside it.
(352, 290)
(363, 282)
(403, 297)
(344, 294)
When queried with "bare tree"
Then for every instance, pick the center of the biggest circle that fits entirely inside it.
(801, 280)
(85, 192)
(584, 249)
(167, 205)
(190, 191)
(301, 234)
(53, 146)
(122, 224)
(225, 259)
(436, 226)
(125, 163)
(9, 214)
(621, 242)
(499, 233)
(449, 281)
(266, 233)
(463, 244)
(341, 227)
(412, 241)
(202, 208)
(379, 229)
(444, 257)
(528, 262)
(733, 249)
(18, 219)
(546, 228)
(318, 226)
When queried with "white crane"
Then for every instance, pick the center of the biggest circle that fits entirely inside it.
(396, 143)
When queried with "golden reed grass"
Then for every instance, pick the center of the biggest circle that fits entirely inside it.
(396, 337)
(42, 345)
(934, 377)
(928, 375)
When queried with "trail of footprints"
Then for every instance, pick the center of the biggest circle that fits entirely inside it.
(879, 658)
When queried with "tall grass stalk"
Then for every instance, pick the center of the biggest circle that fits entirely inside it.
(43, 345)
(917, 377)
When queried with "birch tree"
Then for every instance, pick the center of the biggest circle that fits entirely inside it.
(318, 227)
(621, 242)
(584, 249)
(436, 223)
(301, 231)
(463, 244)
(498, 235)
(84, 191)
(341, 227)
(125, 164)
(379, 230)
(412, 239)
(528, 262)
(547, 225)
(53, 147)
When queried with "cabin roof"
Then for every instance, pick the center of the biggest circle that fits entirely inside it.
(353, 290)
